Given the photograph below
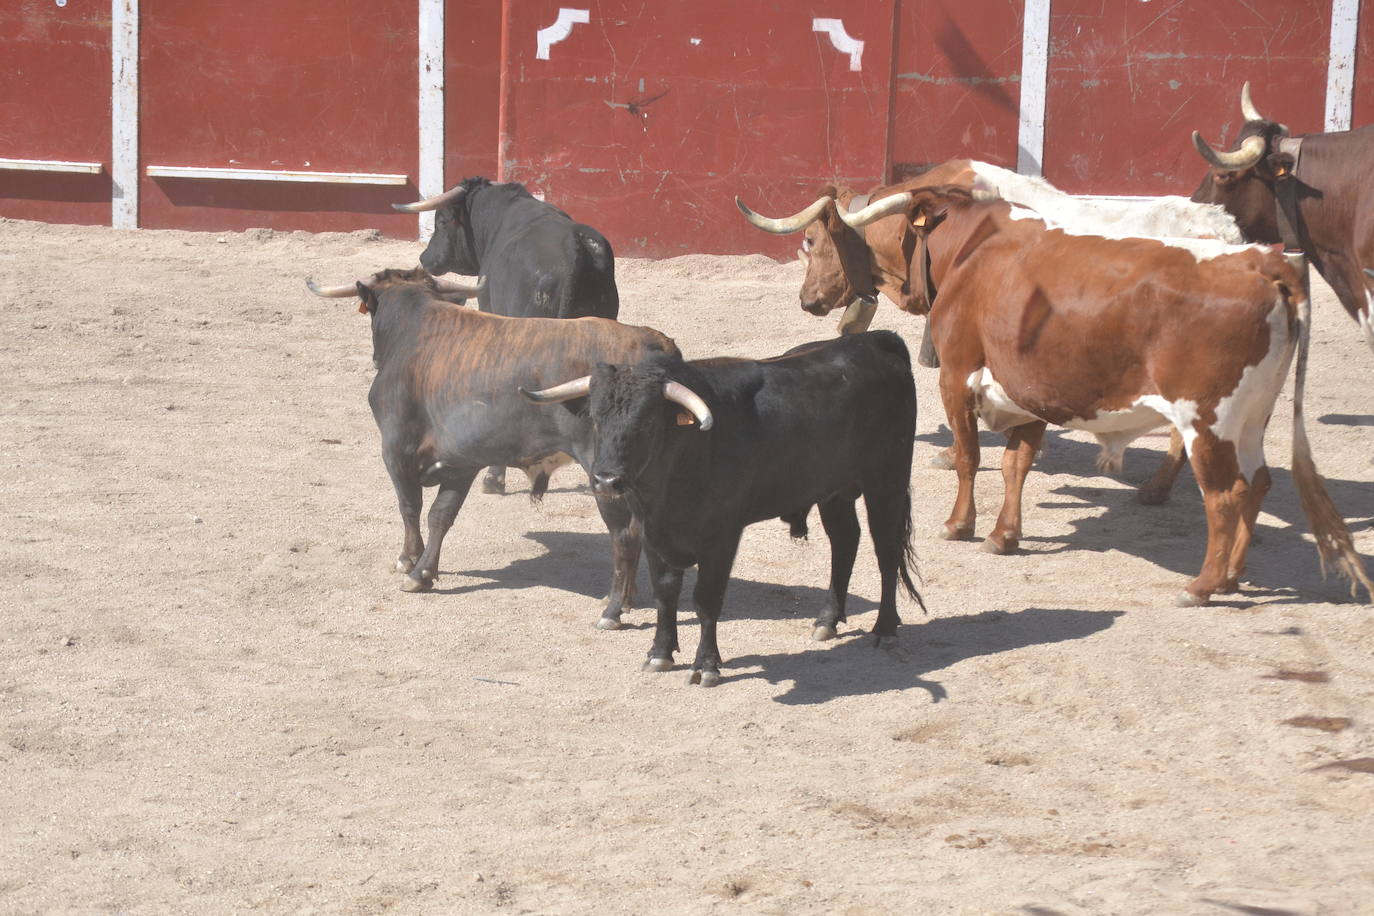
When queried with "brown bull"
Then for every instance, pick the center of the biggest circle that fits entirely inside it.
(1116, 337)
(849, 266)
(447, 403)
(1333, 204)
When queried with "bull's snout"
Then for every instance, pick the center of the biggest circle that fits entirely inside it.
(611, 482)
(815, 307)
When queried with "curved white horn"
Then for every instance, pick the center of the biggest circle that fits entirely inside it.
(788, 223)
(431, 203)
(461, 289)
(1247, 107)
(332, 292)
(679, 393)
(878, 209)
(577, 388)
(1251, 151)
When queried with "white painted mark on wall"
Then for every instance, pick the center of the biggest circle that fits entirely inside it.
(841, 40)
(561, 29)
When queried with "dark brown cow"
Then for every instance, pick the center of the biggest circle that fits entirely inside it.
(1035, 325)
(848, 266)
(1333, 197)
(446, 400)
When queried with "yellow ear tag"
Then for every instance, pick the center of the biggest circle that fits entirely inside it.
(919, 221)
(684, 418)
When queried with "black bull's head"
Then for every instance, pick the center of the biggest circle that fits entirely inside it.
(633, 409)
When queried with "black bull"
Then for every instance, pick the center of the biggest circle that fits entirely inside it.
(537, 262)
(823, 424)
(446, 401)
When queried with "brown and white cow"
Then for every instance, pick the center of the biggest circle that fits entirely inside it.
(848, 267)
(1035, 325)
(1333, 199)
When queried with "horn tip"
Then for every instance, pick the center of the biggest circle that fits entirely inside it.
(312, 286)
(402, 208)
(706, 424)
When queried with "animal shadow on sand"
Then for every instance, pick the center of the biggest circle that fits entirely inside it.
(580, 563)
(854, 666)
(1282, 565)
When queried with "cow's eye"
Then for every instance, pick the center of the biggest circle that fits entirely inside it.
(806, 244)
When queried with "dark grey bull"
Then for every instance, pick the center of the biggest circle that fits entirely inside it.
(1333, 197)
(536, 261)
(446, 402)
(702, 449)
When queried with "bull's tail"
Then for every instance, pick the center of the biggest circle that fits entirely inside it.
(906, 564)
(1334, 545)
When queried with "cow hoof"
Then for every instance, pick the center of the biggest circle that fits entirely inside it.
(414, 583)
(823, 632)
(1188, 599)
(658, 664)
(405, 565)
(999, 547)
(943, 460)
(608, 623)
(704, 678)
(1151, 496)
(496, 488)
(954, 534)
(884, 642)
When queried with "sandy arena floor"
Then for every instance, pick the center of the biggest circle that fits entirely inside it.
(214, 698)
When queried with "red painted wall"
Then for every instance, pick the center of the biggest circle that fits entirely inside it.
(958, 83)
(278, 84)
(1362, 112)
(647, 123)
(1129, 83)
(472, 74)
(55, 104)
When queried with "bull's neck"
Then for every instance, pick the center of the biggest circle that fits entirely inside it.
(1328, 194)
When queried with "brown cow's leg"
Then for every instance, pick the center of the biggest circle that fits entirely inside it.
(1159, 487)
(1225, 496)
(1022, 444)
(958, 401)
(1245, 534)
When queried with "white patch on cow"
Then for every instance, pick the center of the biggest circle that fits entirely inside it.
(1205, 230)
(1243, 414)
(1113, 429)
(993, 405)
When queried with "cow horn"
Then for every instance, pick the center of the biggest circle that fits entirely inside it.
(577, 388)
(1247, 107)
(461, 289)
(431, 203)
(786, 224)
(679, 393)
(1250, 152)
(878, 209)
(332, 292)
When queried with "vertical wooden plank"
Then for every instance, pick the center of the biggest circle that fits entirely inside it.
(1340, 71)
(431, 170)
(1035, 53)
(124, 115)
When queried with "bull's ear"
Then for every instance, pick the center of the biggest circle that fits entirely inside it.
(367, 299)
(1280, 163)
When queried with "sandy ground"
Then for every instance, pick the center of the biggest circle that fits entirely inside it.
(214, 698)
